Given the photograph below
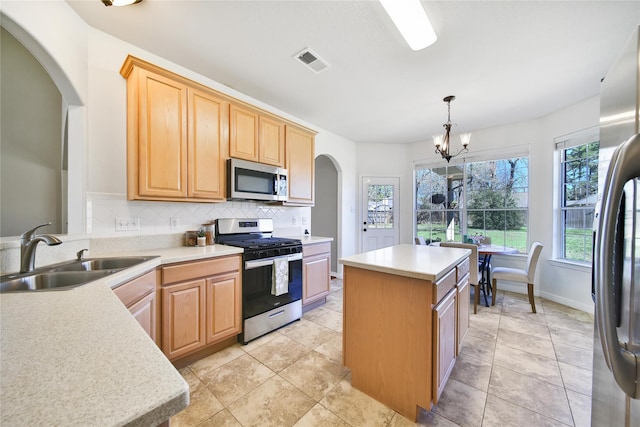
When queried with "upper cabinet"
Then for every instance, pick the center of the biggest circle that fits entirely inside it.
(180, 135)
(177, 136)
(256, 136)
(300, 164)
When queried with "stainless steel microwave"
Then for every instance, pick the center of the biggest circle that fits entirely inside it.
(256, 181)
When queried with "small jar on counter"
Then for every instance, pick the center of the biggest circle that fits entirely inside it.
(209, 232)
(191, 238)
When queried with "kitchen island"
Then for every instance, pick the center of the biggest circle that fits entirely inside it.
(406, 312)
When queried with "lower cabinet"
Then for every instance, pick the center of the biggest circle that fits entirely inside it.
(201, 304)
(450, 323)
(139, 296)
(316, 272)
(445, 341)
(464, 298)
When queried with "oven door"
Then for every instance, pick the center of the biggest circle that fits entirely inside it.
(257, 282)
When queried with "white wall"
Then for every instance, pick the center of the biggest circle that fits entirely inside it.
(566, 283)
(85, 67)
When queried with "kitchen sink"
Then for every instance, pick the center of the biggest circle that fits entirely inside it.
(52, 280)
(68, 274)
(102, 264)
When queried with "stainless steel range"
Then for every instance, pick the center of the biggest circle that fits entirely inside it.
(271, 275)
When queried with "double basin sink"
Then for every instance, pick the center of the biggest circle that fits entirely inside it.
(68, 274)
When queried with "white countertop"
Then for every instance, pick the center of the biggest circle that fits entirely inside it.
(311, 240)
(78, 357)
(417, 261)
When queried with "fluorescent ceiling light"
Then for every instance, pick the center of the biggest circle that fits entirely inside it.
(412, 22)
(120, 2)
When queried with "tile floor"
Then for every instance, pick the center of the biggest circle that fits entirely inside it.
(516, 368)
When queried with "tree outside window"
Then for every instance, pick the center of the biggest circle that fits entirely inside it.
(579, 192)
(496, 194)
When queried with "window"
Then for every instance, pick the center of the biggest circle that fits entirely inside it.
(380, 206)
(488, 198)
(578, 195)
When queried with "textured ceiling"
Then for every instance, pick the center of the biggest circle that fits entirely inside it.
(505, 61)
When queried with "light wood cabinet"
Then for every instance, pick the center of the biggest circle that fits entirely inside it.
(445, 341)
(316, 272)
(400, 332)
(256, 136)
(139, 296)
(183, 318)
(300, 164)
(177, 136)
(464, 297)
(201, 304)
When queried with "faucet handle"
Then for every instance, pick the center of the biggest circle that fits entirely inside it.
(27, 235)
(80, 254)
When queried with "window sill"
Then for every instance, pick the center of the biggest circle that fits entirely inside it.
(571, 265)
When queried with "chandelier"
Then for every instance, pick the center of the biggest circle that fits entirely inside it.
(442, 141)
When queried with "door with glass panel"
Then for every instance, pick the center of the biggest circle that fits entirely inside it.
(379, 224)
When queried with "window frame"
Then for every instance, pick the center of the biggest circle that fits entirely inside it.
(562, 144)
(462, 209)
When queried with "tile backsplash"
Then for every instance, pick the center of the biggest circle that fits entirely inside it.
(104, 210)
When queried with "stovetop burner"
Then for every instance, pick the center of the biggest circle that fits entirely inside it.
(265, 242)
(255, 236)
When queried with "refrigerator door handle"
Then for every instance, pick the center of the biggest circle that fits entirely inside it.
(623, 363)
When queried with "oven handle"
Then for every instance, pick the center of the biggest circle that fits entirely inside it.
(248, 265)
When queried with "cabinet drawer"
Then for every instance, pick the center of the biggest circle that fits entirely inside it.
(194, 269)
(444, 285)
(462, 269)
(318, 248)
(137, 288)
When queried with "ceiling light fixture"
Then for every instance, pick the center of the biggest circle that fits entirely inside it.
(120, 2)
(442, 141)
(412, 22)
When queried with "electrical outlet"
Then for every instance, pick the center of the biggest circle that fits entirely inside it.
(174, 222)
(304, 220)
(127, 224)
(134, 224)
(122, 223)
(294, 220)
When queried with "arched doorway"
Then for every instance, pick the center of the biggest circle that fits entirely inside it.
(324, 214)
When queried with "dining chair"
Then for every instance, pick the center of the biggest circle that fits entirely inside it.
(473, 269)
(518, 275)
(420, 241)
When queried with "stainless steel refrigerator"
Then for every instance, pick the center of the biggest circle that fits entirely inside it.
(616, 260)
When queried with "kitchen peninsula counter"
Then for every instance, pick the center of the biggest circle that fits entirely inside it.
(78, 356)
(406, 311)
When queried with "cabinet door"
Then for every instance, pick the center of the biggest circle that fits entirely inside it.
(224, 307)
(243, 135)
(315, 278)
(207, 153)
(183, 318)
(464, 297)
(444, 340)
(144, 311)
(271, 141)
(162, 137)
(300, 164)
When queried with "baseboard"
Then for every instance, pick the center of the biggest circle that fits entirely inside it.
(522, 289)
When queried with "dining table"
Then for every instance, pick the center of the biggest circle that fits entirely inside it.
(487, 251)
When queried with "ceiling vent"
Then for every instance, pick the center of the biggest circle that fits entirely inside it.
(312, 60)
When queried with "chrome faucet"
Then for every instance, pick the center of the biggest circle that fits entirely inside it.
(28, 243)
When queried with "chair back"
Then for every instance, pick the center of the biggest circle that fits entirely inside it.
(532, 260)
(473, 259)
(420, 241)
